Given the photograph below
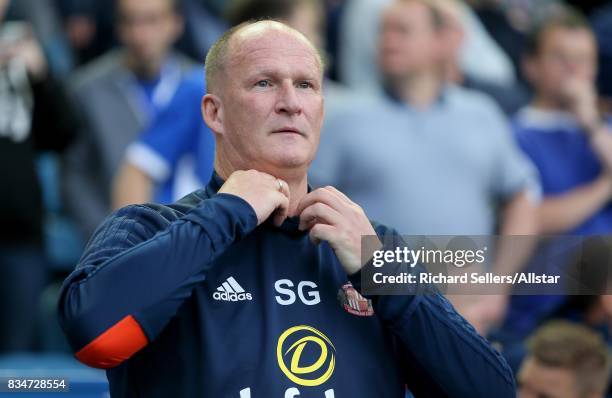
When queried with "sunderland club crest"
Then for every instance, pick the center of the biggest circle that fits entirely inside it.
(353, 302)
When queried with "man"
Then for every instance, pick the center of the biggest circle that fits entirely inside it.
(119, 95)
(562, 131)
(226, 293)
(565, 360)
(432, 158)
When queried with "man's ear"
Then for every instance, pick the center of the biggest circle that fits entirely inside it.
(212, 112)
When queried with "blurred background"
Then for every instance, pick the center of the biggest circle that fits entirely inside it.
(443, 117)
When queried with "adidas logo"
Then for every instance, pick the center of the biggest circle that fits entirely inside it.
(230, 290)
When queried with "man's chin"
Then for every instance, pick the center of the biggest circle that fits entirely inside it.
(292, 161)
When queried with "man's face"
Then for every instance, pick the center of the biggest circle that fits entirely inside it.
(409, 42)
(564, 55)
(538, 381)
(272, 102)
(148, 28)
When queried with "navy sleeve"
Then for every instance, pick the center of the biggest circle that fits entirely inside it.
(144, 265)
(444, 353)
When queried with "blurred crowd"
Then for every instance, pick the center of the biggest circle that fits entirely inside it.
(443, 117)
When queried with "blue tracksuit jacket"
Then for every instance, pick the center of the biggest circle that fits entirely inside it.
(195, 300)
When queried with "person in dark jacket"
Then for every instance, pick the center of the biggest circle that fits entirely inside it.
(233, 291)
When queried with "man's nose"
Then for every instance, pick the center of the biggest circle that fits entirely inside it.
(288, 100)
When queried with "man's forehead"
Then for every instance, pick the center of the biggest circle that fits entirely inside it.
(258, 42)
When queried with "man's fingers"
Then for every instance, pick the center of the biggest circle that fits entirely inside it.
(321, 232)
(281, 197)
(319, 213)
(307, 200)
(267, 195)
(282, 210)
(321, 195)
(335, 191)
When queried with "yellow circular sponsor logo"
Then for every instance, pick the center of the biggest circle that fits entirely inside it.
(297, 338)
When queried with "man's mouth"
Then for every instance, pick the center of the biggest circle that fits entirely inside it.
(288, 130)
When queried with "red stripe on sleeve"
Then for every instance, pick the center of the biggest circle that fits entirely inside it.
(115, 345)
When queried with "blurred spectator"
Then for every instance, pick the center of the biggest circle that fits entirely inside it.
(509, 97)
(562, 130)
(173, 157)
(34, 116)
(425, 139)
(431, 158)
(481, 57)
(119, 95)
(564, 360)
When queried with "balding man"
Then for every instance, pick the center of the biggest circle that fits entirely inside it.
(226, 293)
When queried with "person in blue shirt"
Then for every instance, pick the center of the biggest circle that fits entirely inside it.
(173, 156)
(570, 143)
(119, 95)
(233, 291)
(563, 132)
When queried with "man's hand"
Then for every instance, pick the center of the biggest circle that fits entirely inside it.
(331, 216)
(581, 97)
(266, 194)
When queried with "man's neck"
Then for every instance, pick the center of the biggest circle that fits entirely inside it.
(419, 90)
(296, 179)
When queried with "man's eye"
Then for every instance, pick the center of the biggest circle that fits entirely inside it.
(305, 85)
(263, 83)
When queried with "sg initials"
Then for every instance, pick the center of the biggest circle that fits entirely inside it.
(306, 291)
